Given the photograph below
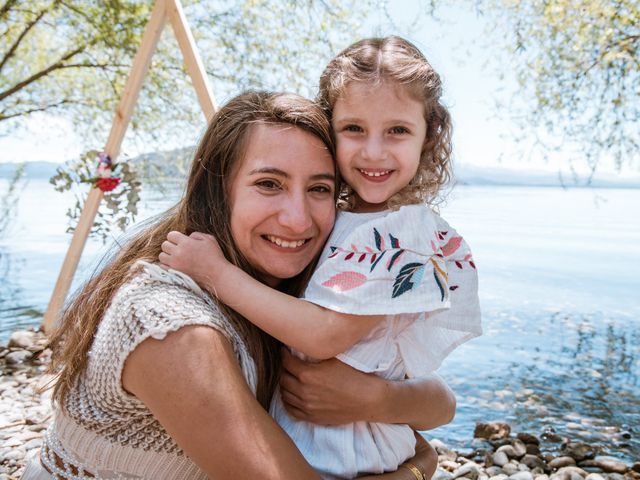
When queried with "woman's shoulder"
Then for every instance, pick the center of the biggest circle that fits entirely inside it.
(155, 302)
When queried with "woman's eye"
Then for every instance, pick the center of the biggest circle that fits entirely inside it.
(268, 185)
(399, 130)
(322, 189)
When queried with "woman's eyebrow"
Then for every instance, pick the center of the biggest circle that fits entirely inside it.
(282, 173)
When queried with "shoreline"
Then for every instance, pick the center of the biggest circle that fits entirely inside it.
(495, 453)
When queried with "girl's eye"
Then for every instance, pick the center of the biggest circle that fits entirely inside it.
(352, 128)
(399, 130)
(270, 185)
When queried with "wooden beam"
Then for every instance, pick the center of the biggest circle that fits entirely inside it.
(192, 60)
(123, 114)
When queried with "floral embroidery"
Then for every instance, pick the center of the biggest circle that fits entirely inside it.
(410, 275)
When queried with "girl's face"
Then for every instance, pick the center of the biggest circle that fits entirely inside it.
(282, 200)
(380, 132)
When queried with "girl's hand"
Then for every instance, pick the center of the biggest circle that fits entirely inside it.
(425, 460)
(197, 255)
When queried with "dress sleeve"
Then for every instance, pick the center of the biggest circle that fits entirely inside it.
(386, 266)
(425, 343)
(153, 304)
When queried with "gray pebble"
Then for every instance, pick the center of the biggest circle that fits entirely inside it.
(611, 464)
(22, 339)
(17, 357)
(510, 469)
(500, 459)
(521, 476)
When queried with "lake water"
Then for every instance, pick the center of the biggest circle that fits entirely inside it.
(560, 288)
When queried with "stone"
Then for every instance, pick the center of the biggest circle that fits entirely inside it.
(541, 477)
(493, 471)
(500, 476)
(532, 461)
(550, 435)
(469, 470)
(528, 438)
(636, 467)
(500, 459)
(519, 448)
(560, 462)
(578, 451)
(615, 476)
(594, 476)
(611, 464)
(521, 476)
(22, 339)
(449, 465)
(510, 469)
(573, 470)
(508, 450)
(492, 430)
(442, 475)
(533, 449)
(18, 356)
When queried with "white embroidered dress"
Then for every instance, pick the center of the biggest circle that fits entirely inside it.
(413, 267)
(105, 430)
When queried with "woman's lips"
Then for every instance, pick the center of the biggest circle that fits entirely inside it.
(286, 243)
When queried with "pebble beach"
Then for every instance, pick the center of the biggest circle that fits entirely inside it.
(494, 453)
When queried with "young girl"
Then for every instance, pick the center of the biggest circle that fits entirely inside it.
(395, 289)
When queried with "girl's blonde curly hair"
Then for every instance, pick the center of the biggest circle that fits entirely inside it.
(396, 61)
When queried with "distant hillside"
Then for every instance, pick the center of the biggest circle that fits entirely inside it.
(175, 165)
(170, 164)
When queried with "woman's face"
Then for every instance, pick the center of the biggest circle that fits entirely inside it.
(282, 200)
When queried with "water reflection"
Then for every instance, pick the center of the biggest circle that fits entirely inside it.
(575, 373)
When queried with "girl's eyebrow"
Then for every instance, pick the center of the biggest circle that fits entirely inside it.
(282, 173)
(396, 121)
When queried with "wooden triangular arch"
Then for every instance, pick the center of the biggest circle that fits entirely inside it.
(162, 10)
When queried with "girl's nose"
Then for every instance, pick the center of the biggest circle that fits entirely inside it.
(374, 148)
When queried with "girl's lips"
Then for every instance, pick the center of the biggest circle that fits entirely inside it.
(377, 176)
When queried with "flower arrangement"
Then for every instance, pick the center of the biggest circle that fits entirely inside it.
(119, 183)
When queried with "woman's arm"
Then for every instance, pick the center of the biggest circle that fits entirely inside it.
(319, 332)
(425, 460)
(331, 392)
(193, 385)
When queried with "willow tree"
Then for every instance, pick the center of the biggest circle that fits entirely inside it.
(578, 66)
(72, 57)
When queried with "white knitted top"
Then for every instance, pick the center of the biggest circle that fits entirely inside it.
(106, 430)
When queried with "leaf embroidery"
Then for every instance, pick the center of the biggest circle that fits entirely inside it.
(394, 241)
(394, 259)
(344, 281)
(349, 256)
(362, 257)
(452, 245)
(403, 281)
(378, 239)
(376, 262)
(453, 287)
(439, 283)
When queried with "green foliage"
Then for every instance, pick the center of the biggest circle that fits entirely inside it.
(119, 207)
(72, 57)
(578, 65)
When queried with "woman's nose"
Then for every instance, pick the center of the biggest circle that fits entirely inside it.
(296, 215)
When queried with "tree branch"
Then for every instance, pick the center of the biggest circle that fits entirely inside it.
(24, 32)
(6, 7)
(56, 66)
(33, 110)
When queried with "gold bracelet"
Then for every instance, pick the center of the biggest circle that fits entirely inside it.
(415, 470)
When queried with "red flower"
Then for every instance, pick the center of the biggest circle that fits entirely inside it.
(107, 184)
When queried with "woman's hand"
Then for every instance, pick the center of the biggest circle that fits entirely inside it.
(197, 255)
(332, 393)
(425, 460)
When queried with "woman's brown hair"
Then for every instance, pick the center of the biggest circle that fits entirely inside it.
(396, 61)
(204, 208)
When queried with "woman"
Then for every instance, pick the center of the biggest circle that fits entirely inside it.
(156, 380)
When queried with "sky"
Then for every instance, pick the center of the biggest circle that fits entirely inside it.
(458, 44)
